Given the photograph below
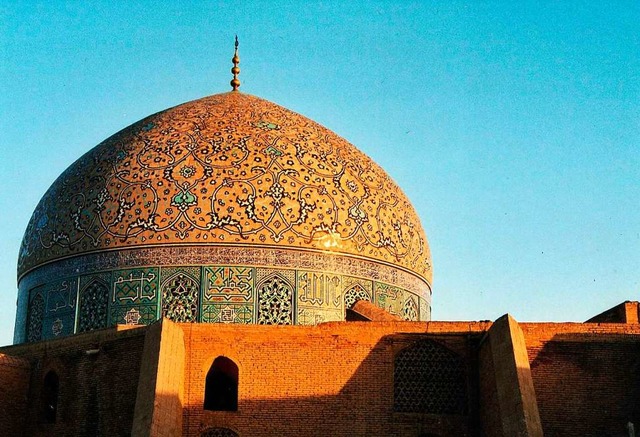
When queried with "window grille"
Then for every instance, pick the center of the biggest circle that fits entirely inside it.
(218, 432)
(429, 378)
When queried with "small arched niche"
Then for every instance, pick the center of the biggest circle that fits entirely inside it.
(49, 397)
(221, 387)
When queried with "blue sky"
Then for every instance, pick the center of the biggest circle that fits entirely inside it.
(514, 127)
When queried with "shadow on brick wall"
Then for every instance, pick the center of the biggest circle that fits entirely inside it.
(364, 405)
(587, 385)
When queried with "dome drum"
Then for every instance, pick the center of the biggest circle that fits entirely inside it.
(61, 302)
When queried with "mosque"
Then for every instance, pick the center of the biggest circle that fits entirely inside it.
(228, 267)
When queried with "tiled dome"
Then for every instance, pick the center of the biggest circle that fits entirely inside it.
(228, 179)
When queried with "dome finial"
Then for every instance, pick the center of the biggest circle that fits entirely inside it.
(235, 83)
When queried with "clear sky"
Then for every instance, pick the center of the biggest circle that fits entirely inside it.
(514, 127)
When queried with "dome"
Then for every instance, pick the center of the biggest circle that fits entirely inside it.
(195, 194)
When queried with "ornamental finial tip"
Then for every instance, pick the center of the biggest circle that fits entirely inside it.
(235, 82)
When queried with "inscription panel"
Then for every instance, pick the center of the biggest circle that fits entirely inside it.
(134, 296)
(207, 294)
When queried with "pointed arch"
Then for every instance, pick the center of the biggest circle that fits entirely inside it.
(180, 297)
(410, 309)
(93, 306)
(49, 397)
(275, 296)
(355, 293)
(221, 386)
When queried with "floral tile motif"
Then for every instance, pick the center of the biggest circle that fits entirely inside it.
(93, 305)
(275, 300)
(181, 293)
(229, 169)
(356, 289)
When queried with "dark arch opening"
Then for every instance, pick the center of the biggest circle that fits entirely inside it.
(221, 388)
(218, 432)
(49, 397)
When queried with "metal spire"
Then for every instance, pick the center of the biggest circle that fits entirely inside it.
(235, 83)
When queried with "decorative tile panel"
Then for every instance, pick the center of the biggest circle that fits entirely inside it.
(356, 289)
(425, 310)
(313, 316)
(319, 290)
(389, 298)
(181, 293)
(134, 296)
(224, 312)
(208, 294)
(410, 308)
(94, 300)
(35, 316)
(275, 293)
(319, 297)
(60, 309)
(228, 284)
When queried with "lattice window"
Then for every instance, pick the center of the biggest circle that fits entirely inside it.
(221, 386)
(180, 298)
(354, 294)
(218, 432)
(410, 309)
(274, 302)
(93, 306)
(36, 314)
(429, 378)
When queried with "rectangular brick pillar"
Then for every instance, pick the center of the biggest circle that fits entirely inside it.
(508, 405)
(158, 410)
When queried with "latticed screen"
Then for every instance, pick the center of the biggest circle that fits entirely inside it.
(429, 378)
(93, 306)
(180, 298)
(355, 294)
(274, 304)
(218, 432)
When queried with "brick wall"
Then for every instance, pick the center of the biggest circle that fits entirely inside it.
(159, 400)
(586, 377)
(14, 387)
(626, 312)
(98, 379)
(331, 379)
